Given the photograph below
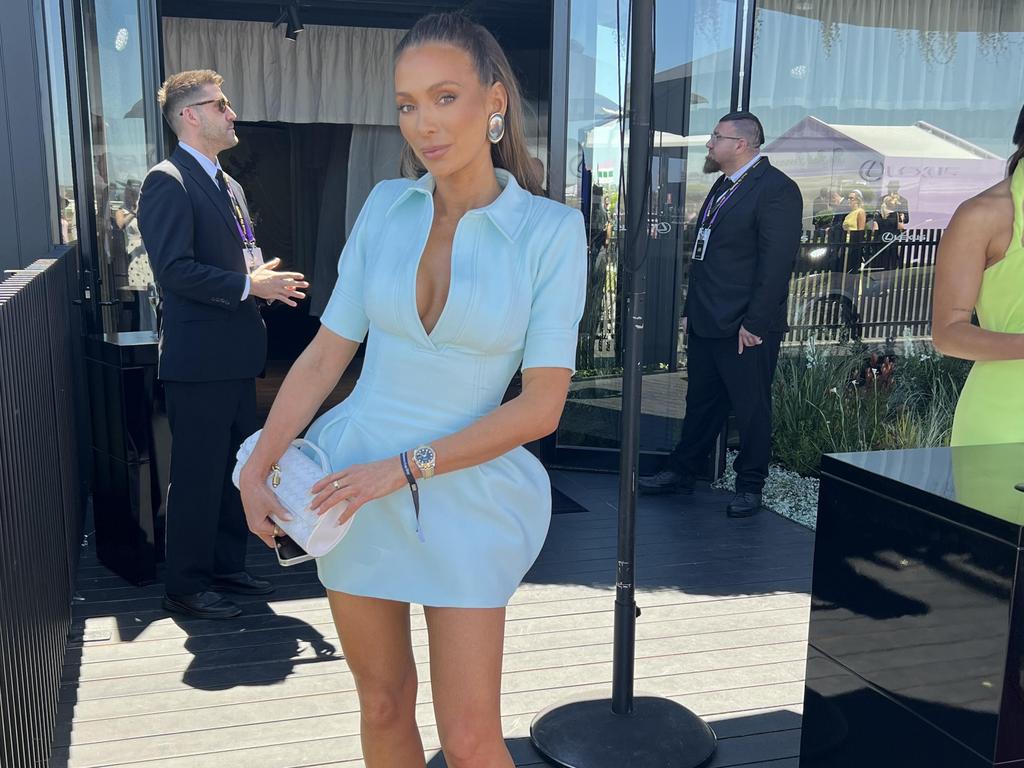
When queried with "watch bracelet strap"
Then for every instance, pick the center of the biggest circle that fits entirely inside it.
(415, 489)
(426, 471)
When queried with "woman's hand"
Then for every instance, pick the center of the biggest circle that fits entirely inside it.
(357, 484)
(260, 503)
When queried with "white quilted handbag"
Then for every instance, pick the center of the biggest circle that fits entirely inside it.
(291, 481)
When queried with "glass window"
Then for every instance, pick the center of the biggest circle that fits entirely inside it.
(692, 88)
(123, 148)
(596, 88)
(693, 77)
(888, 116)
(67, 227)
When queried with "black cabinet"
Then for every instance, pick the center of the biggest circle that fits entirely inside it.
(131, 453)
(915, 641)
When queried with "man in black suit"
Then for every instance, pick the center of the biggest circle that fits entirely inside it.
(893, 217)
(213, 343)
(748, 236)
(897, 202)
(822, 213)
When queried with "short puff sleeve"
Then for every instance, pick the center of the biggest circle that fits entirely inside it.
(345, 313)
(559, 291)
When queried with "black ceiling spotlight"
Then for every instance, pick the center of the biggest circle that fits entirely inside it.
(290, 18)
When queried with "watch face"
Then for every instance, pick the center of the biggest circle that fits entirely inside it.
(423, 456)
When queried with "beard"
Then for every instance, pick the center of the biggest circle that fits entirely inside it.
(711, 165)
(217, 135)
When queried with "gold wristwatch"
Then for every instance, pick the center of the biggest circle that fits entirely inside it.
(425, 459)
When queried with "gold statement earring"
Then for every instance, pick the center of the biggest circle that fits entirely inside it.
(495, 127)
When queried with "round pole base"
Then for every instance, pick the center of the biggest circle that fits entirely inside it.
(584, 733)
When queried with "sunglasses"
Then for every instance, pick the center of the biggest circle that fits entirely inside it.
(223, 104)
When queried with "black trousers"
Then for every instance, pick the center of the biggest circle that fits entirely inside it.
(720, 376)
(206, 529)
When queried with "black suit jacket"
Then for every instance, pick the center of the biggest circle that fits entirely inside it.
(207, 333)
(744, 277)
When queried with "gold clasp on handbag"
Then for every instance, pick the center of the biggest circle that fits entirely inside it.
(275, 475)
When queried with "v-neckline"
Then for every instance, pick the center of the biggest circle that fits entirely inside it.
(428, 336)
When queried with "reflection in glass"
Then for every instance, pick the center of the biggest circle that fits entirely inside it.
(693, 78)
(596, 87)
(898, 110)
(122, 151)
(65, 193)
(692, 88)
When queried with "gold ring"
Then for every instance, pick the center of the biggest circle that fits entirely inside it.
(337, 485)
(277, 531)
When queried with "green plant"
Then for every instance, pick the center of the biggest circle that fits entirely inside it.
(928, 381)
(851, 398)
(910, 430)
(806, 403)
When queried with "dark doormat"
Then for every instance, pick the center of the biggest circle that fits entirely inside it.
(562, 504)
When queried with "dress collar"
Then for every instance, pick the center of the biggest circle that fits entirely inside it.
(507, 212)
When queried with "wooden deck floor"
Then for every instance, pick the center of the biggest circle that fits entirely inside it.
(723, 631)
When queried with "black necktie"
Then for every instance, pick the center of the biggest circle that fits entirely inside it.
(222, 184)
(723, 186)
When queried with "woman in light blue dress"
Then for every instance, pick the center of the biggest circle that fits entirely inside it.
(455, 279)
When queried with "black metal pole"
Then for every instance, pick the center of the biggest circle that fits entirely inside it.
(591, 731)
(635, 273)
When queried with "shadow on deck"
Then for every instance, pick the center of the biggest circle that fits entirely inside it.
(723, 631)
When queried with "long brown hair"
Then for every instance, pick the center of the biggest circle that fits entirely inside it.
(1018, 139)
(457, 30)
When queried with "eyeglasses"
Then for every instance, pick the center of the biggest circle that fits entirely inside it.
(223, 104)
(717, 136)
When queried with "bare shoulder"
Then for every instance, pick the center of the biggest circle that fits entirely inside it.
(986, 211)
(980, 231)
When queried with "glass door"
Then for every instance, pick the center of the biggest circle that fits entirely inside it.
(694, 46)
(121, 132)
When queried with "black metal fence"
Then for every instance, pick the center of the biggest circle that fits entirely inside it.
(872, 286)
(876, 286)
(41, 503)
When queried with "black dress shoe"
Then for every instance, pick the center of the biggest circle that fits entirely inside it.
(666, 481)
(242, 583)
(744, 504)
(204, 605)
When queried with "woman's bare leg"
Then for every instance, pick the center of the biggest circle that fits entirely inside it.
(466, 647)
(377, 644)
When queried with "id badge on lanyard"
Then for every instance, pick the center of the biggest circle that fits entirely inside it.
(700, 247)
(253, 254)
(701, 244)
(253, 257)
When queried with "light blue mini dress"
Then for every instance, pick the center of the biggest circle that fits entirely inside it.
(518, 275)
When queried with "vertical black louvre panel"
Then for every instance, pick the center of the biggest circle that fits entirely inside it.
(40, 505)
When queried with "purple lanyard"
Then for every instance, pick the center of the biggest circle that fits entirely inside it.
(712, 210)
(244, 230)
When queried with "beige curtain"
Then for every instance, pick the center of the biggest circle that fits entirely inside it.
(916, 59)
(329, 75)
(983, 16)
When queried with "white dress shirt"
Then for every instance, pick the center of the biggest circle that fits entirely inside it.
(734, 177)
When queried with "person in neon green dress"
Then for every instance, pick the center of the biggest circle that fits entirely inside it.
(980, 268)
